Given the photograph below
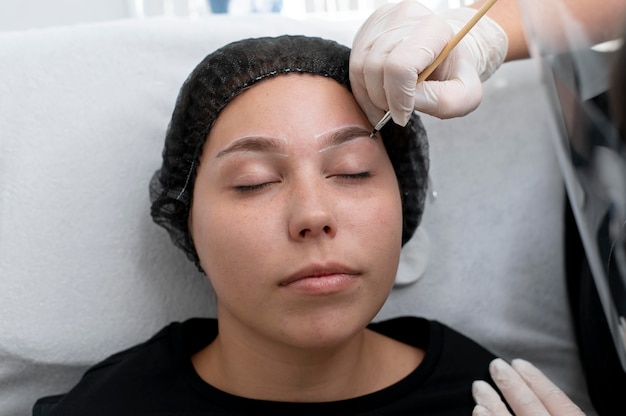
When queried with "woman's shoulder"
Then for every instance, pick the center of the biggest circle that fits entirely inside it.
(121, 378)
(175, 341)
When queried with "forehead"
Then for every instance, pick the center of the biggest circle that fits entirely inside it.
(301, 104)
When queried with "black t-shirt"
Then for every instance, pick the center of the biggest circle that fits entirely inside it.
(158, 378)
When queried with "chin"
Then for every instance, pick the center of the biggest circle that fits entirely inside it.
(327, 330)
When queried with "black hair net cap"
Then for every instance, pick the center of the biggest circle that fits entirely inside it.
(227, 72)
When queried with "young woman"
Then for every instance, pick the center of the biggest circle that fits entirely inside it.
(273, 186)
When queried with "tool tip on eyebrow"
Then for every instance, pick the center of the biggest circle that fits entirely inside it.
(381, 123)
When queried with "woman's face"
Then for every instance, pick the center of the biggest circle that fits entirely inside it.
(296, 216)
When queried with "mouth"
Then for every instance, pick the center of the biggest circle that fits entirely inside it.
(321, 279)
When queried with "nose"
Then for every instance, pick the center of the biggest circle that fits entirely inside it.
(312, 211)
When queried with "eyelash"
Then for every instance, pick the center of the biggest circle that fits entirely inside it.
(251, 188)
(259, 186)
(360, 175)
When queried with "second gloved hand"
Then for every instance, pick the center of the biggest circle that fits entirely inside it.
(398, 41)
(526, 389)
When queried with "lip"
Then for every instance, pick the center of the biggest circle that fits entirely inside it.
(321, 279)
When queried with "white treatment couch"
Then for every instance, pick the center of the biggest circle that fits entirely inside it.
(84, 272)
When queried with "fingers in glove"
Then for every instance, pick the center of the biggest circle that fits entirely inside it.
(553, 398)
(394, 45)
(361, 48)
(453, 90)
(488, 401)
(419, 47)
(396, 57)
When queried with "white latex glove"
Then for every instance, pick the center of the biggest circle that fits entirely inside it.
(526, 389)
(399, 40)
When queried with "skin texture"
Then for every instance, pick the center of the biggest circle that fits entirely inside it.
(297, 221)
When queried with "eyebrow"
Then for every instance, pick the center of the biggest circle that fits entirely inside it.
(272, 145)
(253, 144)
(343, 135)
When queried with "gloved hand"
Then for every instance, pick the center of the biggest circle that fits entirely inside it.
(526, 389)
(398, 41)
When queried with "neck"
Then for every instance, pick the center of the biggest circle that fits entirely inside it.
(246, 367)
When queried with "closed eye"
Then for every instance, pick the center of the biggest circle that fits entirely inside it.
(252, 188)
(355, 176)
(345, 176)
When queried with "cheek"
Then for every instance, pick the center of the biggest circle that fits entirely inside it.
(378, 219)
(391, 217)
(390, 206)
(223, 237)
(389, 237)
